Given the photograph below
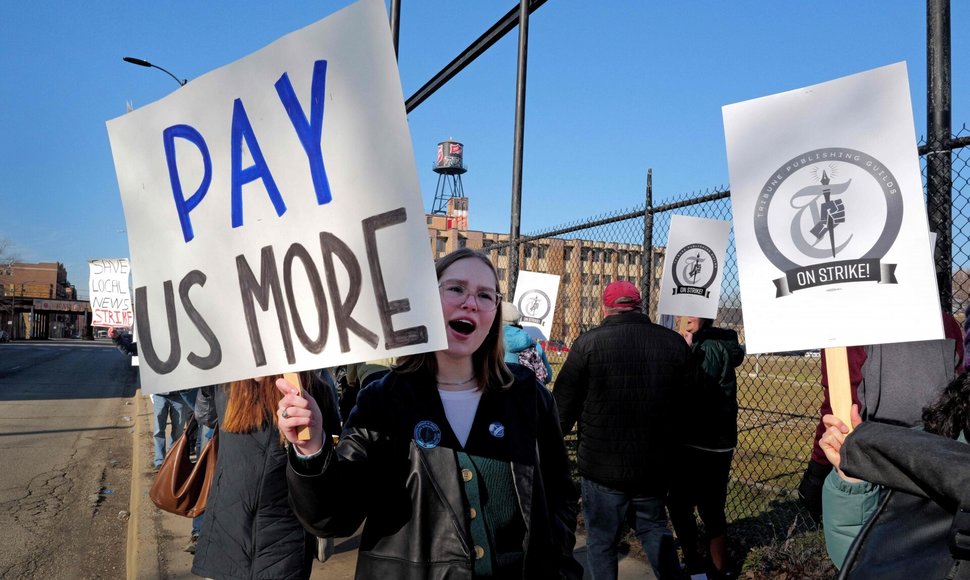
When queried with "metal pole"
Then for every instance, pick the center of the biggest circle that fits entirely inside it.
(647, 258)
(395, 23)
(513, 272)
(938, 130)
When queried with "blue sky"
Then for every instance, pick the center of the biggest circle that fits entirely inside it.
(613, 88)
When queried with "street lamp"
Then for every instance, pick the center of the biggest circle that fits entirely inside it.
(145, 63)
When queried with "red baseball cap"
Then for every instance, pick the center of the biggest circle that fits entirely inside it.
(621, 294)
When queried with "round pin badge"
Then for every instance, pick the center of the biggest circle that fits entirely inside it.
(427, 434)
(497, 429)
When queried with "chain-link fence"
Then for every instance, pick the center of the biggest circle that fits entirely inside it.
(778, 394)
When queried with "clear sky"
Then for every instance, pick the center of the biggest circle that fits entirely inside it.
(613, 88)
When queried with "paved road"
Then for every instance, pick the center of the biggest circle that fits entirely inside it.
(65, 452)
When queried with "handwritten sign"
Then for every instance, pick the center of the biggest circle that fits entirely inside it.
(110, 296)
(274, 213)
(829, 218)
(693, 266)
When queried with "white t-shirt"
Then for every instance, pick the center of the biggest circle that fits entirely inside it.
(460, 408)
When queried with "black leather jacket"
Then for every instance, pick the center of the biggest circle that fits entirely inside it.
(417, 522)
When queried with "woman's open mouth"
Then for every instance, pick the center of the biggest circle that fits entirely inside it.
(462, 326)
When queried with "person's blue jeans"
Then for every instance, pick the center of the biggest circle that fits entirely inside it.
(205, 433)
(168, 409)
(608, 512)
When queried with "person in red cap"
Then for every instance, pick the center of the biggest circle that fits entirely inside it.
(621, 383)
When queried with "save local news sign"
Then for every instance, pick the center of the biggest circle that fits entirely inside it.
(274, 214)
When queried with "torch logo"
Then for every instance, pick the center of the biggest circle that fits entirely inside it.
(694, 270)
(834, 213)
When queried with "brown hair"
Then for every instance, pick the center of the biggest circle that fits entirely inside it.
(253, 402)
(489, 360)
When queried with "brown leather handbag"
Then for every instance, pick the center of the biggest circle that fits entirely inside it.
(182, 487)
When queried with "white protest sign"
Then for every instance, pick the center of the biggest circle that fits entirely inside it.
(693, 266)
(110, 295)
(274, 213)
(535, 298)
(829, 218)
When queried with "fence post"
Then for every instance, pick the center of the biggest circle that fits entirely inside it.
(938, 158)
(646, 259)
(518, 146)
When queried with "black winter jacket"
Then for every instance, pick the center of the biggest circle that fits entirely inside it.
(622, 382)
(926, 481)
(417, 521)
(249, 530)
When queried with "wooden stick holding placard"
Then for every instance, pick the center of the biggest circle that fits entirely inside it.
(840, 389)
(303, 433)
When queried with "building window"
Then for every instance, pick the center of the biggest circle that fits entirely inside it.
(542, 250)
(584, 278)
(584, 254)
(462, 242)
(566, 253)
(501, 274)
(565, 330)
(565, 277)
(527, 252)
(440, 245)
(607, 278)
(596, 279)
(486, 244)
(503, 251)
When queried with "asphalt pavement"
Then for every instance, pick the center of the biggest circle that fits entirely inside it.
(157, 539)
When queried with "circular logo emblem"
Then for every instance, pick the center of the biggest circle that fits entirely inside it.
(829, 216)
(497, 429)
(694, 270)
(534, 305)
(427, 434)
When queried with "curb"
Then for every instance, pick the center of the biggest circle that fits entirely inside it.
(142, 551)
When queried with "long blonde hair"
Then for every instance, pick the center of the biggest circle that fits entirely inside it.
(488, 360)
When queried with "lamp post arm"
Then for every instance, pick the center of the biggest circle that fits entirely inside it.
(181, 82)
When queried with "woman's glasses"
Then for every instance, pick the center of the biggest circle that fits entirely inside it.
(456, 295)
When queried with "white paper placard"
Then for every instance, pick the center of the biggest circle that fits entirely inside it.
(110, 294)
(535, 297)
(693, 266)
(274, 213)
(829, 218)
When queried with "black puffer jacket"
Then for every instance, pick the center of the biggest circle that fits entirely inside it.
(249, 530)
(412, 496)
(622, 382)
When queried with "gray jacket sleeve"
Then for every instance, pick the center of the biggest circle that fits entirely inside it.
(205, 408)
(912, 461)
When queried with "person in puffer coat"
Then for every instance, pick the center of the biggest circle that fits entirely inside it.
(250, 530)
(518, 341)
(704, 459)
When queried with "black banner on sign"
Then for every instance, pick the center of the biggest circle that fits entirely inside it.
(843, 272)
(694, 290)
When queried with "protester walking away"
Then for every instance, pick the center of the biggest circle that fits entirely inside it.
(521, 348)
(889, 383)
(897, 505)
(453, 462)
(621, 383)
(700, 479)
(249, 529)
(123, 340)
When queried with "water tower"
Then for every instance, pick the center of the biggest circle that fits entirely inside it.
(449, 195)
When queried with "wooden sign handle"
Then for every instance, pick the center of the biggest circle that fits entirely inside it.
(840, 389)
(303, 434)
